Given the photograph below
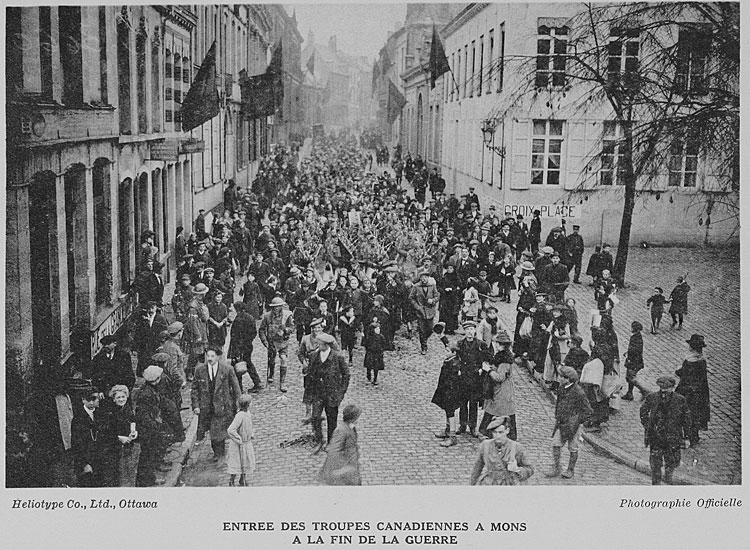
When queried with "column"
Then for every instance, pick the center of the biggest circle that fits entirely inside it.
(60, 283)
(29, 35)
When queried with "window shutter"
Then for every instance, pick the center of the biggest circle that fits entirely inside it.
(520, 177)
(712, 175)
(577, 153)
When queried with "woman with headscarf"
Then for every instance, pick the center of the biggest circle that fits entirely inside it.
(694, 386)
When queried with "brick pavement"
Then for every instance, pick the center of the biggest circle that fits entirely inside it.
(396, 431)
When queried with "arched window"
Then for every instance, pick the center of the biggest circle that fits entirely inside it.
(126, 230)
(123, 70)
(102, 231)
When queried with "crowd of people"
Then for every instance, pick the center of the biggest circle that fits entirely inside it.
(323, 251)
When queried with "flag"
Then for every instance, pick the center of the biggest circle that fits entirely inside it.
(396, 102)
(258, 96)
(385, 61)
(201, 103)
(438, 62)
(375, 77)
(311, 64)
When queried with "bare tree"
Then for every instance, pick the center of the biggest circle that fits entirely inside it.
(668, 74)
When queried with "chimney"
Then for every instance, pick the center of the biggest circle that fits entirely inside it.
(332, 43)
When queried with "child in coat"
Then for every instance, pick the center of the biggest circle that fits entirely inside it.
(240, 452)
(656, 303)
(376, 344)
(348, 330)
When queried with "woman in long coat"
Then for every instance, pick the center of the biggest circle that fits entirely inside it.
(240, 451)
(450, 293)
(499, 398)
(341, 466)
(500, 460)
(694, 386)
(449, 395)
(679, 301)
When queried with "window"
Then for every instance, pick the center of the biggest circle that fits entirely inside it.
(612, 170)
(71, 56)
(683, 158)
(471, 82)
(551, 49)
(491, 62)
(123, 71)
(45, 51)
(692, 54)
(102, 240)
(546, 152)
(458, 72)
(481, 65)
(623, 49)
(501, 59)
(103, 54)
(466, 70)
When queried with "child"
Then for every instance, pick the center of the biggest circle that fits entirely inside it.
(656, 302)
(571, 314)
(506, 279)
(348, 327)
(374, 348)
(218, 320)
(240, 454)
(634, 361)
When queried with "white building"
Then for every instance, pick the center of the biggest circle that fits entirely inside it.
(552, 141)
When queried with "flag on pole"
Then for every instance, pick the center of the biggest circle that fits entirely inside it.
(375, 77)
(258, 96)
(438, 61)
(396, 102)
(201, 103)
(311, 64)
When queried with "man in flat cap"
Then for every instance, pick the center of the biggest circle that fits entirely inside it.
(665, 417)
(424, 298)
(148, 418)
(328, 377)
(472, 352)
(571, 410)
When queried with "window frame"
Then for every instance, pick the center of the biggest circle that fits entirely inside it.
(547, 138)
(688, 142)
(614, 171)
(552, 36)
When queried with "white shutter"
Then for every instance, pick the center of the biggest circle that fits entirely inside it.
(576, 158)
(520, 175)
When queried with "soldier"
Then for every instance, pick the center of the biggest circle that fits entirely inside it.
(472, 352)
(575, 248)
(275, 330)
(666, 420)
(183, 295)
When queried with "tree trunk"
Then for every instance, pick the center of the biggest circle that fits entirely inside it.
(623, 244)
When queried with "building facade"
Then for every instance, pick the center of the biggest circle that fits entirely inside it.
(97, 156)
(549, 142)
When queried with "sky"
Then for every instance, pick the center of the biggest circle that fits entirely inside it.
(360, 29)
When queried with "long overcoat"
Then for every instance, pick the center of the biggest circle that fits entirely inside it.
(217, 410)
(472, 354)
(449, 392)
(329, 379)
(694, 387)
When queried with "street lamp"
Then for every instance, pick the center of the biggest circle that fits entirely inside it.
(488, 131)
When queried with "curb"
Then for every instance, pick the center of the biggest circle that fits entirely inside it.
(624, 457)
(178, 464)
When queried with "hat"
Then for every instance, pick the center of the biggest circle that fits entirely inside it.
(294, 271)
(483, 272)
(109, 339)
(175, 327)
(577, 339)
(326, 338)
(528, 266)
(576, 227)
(316, 322)
(425, 272)
(555, 255)
(473, 242)
(497, 422)
(351, 413)
(391, 269)
(209, 270)
(152, 373)
(439, 327)
(502, 337)
(185, 276)
(469, 324)
(542, 294)
(276, 302)
(696, 341)
(569, 373)
(160, 357)
(200, 289)
(548, 250)
(665, 382)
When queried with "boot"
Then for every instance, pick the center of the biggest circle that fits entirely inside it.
(555, 471)
(668, 475)
(243, 481)
(445, 433)
(629, 395)
(461, 429)
(231, 480)
(567, 474)
(450, 430)
(282, 377)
